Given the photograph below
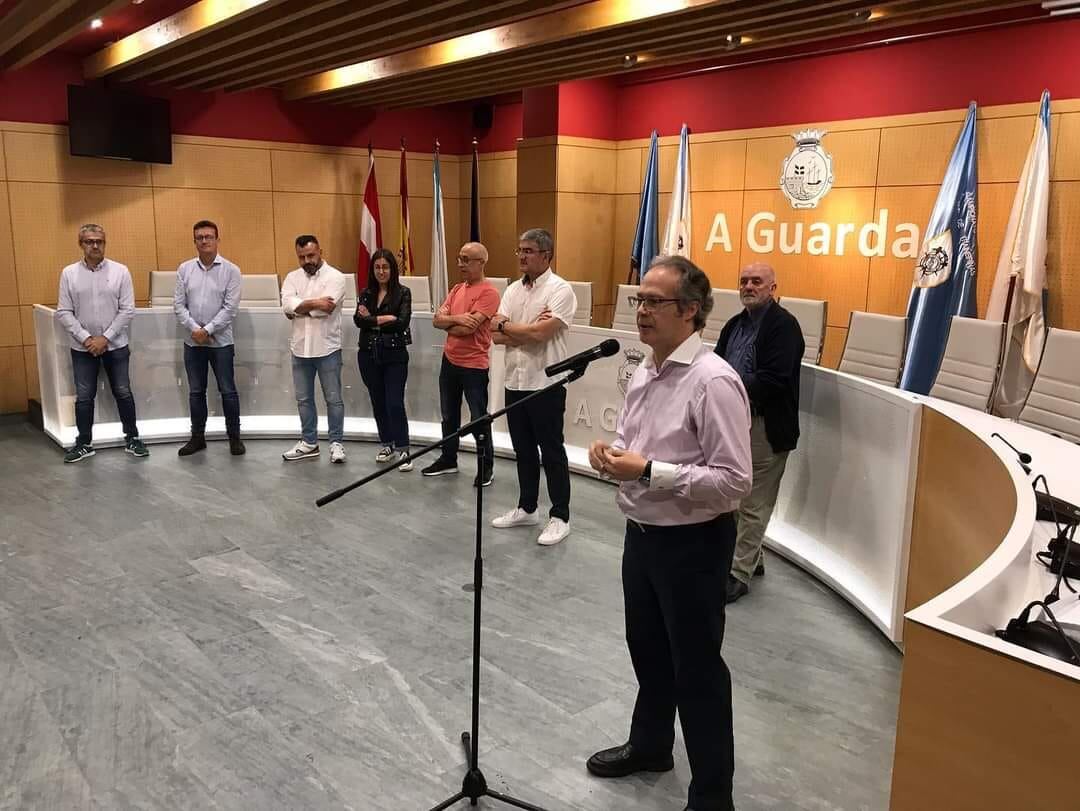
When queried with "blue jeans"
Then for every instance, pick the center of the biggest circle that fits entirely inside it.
(328, 368)
(85, 368)
(454, 382)
(386, 386)
(197, 361)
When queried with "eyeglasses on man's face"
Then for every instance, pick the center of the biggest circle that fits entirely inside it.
(526, 251)
(93, 243)
(464, 260)
(649, 303)
(206, 237)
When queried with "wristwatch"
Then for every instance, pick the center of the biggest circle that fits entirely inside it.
(499, 327)
(646, 474)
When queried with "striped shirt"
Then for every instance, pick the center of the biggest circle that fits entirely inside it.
(96, 301)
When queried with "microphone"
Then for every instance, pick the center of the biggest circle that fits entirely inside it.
(605, 349)
(1025, 458)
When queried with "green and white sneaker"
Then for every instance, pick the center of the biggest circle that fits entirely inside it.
(78, 453)
(135, 447)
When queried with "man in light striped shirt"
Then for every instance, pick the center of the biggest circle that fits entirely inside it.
(205, 302)
(95, 305)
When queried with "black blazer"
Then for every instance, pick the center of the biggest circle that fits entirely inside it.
(774, 385)
(389, 340)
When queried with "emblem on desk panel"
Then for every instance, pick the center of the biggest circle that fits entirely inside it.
(935, 261)
(807, 173)
(634, 357)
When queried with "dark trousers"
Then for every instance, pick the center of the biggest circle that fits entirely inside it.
(198, 360)
(386, 386)
(85, 368)
(539, 425)
(455, 382)
(674, 581)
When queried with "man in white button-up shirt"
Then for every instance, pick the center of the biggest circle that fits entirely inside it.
(533, 318)
(311, 298)
(95, 305)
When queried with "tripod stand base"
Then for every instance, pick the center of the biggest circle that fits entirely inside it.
(474, 786)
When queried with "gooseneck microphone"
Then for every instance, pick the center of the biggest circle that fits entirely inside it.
(604, 349)
(1025, 458)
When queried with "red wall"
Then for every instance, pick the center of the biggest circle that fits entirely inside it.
(996, 66)
(588, 108)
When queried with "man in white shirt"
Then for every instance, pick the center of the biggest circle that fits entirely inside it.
(532, 322)
(95, 305)
(311, 298)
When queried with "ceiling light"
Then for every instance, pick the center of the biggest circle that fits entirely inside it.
(629, 60)
(96, 23)
(863, 14)
(733, 41)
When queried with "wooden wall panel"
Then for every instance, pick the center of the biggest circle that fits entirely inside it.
(33, 384)
(9, 291)
(326, 172)
(854, 154)
(44, 157)
(242, 218)
(916, 155)
(499, 232)
(1066, 152)
(497, 178)
(26, 318)
(667, 156)
(1001, 144)
(1063, 257)
(583, 244)
(46, 217)
(10, 328)
(537, 168)
(421, 210)
(721, 266)
(13, 375)
(589, 170)
(623, 227)
(890, 278)
(834, 346)
(204, 166)
(536, 210)
(628, 169)
(995, 203)
(333, 218)
(716, 165)
(840, 279)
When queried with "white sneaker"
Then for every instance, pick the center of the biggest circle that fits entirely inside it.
(337, 453)
(301, 450)
(555, 531)
(405, 468)
(517, 517)
(385, 454)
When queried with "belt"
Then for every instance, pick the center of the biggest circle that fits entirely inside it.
(669, 528)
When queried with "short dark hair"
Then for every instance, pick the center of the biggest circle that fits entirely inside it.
(304, 239)
(395, 274)
(205, 224)
(694, 286)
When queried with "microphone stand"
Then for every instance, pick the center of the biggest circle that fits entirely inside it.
(474, 784)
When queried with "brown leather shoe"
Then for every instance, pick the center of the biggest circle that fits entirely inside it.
(620, 761)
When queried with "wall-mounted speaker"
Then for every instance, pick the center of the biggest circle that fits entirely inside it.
(482, 116)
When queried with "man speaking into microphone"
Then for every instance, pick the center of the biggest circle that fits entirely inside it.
(682, 459)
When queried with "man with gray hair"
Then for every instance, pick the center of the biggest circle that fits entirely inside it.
(95, 305)
(764, 344)
(532, 322)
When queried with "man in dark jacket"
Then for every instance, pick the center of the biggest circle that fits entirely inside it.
(764, 344)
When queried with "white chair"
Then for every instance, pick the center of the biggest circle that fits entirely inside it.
(259, 290)
(811, 314)
(421, 292)
(874, 348)
(969, 367)
(625, 316)
(1054, 403)
(162, 287)
(500, 283)
(583, 314)
(726, 305)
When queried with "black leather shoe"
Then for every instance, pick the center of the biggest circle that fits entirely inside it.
(620, 761)
(736, 589)
(194, 445)
(236, 447)
(759, 571)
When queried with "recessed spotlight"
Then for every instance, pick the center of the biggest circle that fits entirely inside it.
(862, 15)
(733, 41)
(136, 2)
(629, 60)
(96, 23)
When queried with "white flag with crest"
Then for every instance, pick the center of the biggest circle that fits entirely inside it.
(676, 240)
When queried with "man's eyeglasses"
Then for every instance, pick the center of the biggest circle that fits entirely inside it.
(205, 238)
(649, 303)
(93, 243)
(526, 251)
(464, 260)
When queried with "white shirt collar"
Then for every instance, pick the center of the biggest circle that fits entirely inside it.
(216, 261)
(539, 280)
(684, 354)
(100, 265)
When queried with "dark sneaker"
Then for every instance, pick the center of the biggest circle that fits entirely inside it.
(236, 447)
(136, 447)
(78, 453)
(439, 467)
(194, 445)
(485, 478)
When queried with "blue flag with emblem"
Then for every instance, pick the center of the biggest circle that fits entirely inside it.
(944, 283)
(647, 234)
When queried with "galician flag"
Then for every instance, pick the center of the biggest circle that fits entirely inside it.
(1017, 298)
(645, 246)
(944, 283)
(677, 233)
(370, 226)
(439, 282)
(405, 259)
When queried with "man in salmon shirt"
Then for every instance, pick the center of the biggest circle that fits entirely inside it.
(465, 316)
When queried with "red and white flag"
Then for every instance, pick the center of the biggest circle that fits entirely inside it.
(370, 226)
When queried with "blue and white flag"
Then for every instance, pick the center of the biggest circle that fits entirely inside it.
(646, 239)
(1017, 298)
(677, 232)
(944, 283)
(438, 281)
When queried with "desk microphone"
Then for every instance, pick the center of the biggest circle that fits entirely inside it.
(1025, 458)
(604, 349)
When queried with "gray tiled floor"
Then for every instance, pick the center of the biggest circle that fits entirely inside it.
(196, 634)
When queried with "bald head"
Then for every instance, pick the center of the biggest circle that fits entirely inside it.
(757, 284)
(471, 261)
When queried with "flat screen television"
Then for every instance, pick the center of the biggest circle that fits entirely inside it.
(108, 123)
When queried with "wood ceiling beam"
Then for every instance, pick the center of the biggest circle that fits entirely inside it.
(569, 23)
(33, 28)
